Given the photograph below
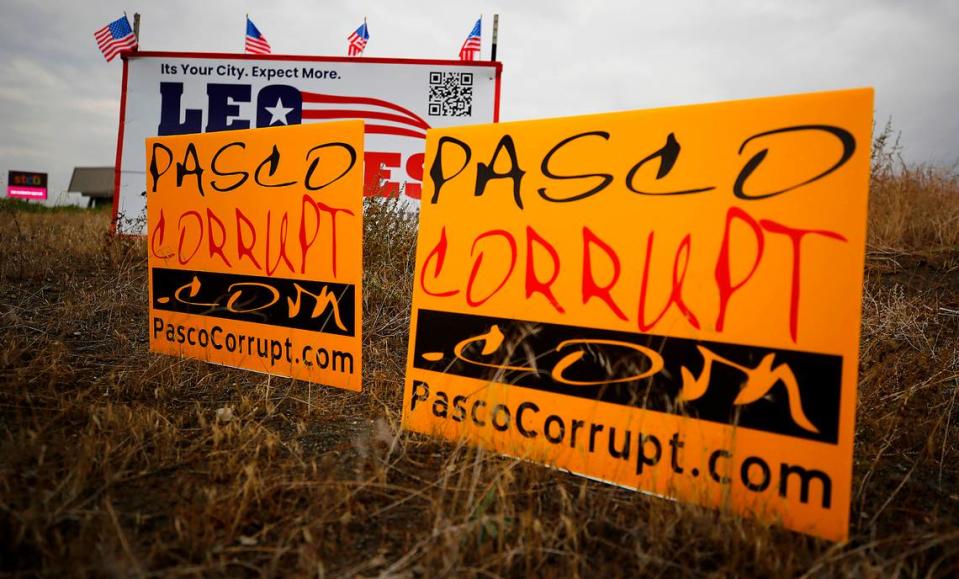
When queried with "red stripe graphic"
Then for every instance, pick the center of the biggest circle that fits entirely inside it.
(407, 117)
(361, 114)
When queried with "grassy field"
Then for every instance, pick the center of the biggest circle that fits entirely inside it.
(114, 461)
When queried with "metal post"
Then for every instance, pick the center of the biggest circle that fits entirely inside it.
(495, 34)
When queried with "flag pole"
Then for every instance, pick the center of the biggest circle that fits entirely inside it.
(495, 34)
(136, 26)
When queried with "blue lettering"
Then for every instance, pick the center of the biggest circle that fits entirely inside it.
(170, 96)
(222, 110)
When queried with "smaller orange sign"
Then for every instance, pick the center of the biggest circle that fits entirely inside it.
(256, 249)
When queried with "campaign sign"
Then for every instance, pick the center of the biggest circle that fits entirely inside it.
(255, 244)
(168, 93)
(668, 300)
(26, 185)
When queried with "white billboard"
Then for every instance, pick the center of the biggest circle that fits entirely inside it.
(169, 93)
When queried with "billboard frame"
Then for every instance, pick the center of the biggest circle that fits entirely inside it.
(126, 56)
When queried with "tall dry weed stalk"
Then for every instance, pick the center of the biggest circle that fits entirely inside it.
(912, 208)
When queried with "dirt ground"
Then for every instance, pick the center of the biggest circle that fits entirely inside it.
(115, 461)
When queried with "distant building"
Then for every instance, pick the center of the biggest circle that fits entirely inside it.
(96, 183)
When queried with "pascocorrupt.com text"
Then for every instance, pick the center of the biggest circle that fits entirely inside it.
(275, 352)
(646, 451)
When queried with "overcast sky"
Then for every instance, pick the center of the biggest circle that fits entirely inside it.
(59, 99)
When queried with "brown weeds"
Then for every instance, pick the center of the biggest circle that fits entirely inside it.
(116, 461)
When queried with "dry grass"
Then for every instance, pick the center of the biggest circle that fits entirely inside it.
(912, 209)
(114, 461)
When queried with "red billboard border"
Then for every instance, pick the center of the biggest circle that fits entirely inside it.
(299, 58)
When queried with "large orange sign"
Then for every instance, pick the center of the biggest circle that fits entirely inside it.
(667, 299)
(255, 249)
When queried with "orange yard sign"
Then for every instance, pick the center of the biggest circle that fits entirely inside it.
(255, 249)
(667, 300)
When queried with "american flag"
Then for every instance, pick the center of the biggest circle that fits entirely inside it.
(115, 37)
(471, 46)
(358, 40)
(389, 118)
(255, 42)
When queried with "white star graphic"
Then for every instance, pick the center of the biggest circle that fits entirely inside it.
(278, 112)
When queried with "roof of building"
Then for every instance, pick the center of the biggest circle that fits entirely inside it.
(92, 181)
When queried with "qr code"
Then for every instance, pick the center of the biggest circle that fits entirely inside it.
(451, 94)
